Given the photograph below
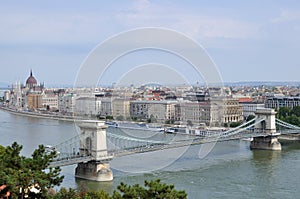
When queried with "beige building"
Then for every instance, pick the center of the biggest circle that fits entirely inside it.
(213, 113)
(121, 108)
(194, 113)
(233, 111)
(34, 101)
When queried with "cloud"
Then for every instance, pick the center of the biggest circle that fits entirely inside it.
(50, 28)
(145, 13)
(66, 26)
(217, 27)
(287, 15)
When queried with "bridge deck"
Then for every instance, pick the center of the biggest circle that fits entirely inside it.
(244, 131)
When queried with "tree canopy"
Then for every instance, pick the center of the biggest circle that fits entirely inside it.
(32, 177)
(290, 115)
(28, 175)
(152, 189)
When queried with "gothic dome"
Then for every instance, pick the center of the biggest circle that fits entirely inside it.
(31, 81)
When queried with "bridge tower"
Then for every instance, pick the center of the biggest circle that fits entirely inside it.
(268, 127)
(93, 143)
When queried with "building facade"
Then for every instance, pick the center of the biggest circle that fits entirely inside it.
(66, 103)
(233, 111)
(50, 100)
(34, 101)
(249, 108)
(278, 102)
(86, 106)
(121, 109)
(106, 107)
(193, 113)
(156, 111)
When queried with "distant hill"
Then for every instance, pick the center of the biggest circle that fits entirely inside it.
(261, 83)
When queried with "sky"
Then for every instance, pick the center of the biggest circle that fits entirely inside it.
(247, 40)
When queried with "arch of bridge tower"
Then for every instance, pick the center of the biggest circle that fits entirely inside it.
(268, 125)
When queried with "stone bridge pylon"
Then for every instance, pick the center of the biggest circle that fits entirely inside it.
(93, 143)
(267, 126)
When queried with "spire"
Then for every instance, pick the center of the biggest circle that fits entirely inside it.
(30, 72)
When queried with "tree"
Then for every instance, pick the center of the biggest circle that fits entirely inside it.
(288, 115)
(250, 117)
(152, 119)
(28, 176)
(120, 118)
(189, 123)
(235, 124)
(109, 117)
(296, 111)
(154, 189)
(293, 119)
(284, 112)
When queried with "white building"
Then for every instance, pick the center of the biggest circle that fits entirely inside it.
(249, 108)
(50, 100)
(66, 103)
(86, 106)
(159, 111)
(6, 96)
(17, 99)
(106, 107)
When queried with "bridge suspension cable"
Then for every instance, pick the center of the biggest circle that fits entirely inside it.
(287, 125)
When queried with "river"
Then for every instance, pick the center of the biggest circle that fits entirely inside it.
(230, 170)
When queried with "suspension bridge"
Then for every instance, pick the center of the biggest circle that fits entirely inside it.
(96, 145)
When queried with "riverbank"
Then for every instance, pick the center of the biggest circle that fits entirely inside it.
(42, 115)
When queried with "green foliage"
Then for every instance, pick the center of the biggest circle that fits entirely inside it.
(289, 115)
(154, 189)
(283, 112)
(171, 121)
(189, 123)
(235, 124)
(134, 118)
(109, 117)
(152, 119)
(20, 173)
(250, 117)
(120, 118)
(296, 111)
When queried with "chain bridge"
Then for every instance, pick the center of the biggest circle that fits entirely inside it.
(97, 143)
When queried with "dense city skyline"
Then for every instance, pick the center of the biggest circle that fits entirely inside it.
(248, 41)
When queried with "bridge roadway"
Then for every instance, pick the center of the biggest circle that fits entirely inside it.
(70, 159)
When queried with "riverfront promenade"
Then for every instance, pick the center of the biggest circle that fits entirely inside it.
(42, 115)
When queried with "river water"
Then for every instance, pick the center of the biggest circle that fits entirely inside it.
(230, 170)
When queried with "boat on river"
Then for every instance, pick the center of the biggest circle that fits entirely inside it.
(134, 126)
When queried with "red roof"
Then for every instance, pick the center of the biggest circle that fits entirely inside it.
(245, 99)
